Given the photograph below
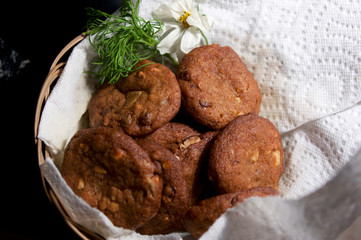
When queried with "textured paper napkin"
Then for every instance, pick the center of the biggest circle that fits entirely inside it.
(306, 58)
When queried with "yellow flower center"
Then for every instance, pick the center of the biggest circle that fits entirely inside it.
(183, 18)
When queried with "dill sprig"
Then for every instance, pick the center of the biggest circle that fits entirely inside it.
(121, 41)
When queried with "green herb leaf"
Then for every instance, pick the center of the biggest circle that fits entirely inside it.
(121, 40)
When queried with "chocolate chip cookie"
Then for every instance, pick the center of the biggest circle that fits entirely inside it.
(194, 160)
(140, 103)
(200, 217)
(173, 136)
(216, 86)
(112, 173)
(191, 148)
(175, 197)
(247, 153)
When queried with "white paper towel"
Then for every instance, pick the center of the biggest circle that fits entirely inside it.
(306, 57)
(69, 99)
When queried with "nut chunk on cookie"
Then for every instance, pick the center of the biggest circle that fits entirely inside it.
(111, 172)
(140, 103)
(247, 153)
(216, 86)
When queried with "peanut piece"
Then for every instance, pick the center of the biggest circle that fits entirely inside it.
(103, 204)
(132, 97)
(141, 74)
(254, 157)
(153, 185)
(154, 70)
(118, 154)
(100, 170)
(205, 104)
(240, 113)
(81, 184)
(276, 157)
(163, 102)
(189, 142)
(167, 165)
(113, 206)
(114, 192)
(85, 147)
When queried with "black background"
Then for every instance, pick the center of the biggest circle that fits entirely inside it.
(37, 30)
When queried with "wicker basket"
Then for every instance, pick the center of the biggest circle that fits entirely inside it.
(50, 80)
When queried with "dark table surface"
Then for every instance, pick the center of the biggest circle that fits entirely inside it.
(37, 31)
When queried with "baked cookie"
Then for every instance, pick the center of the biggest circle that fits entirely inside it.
(112, 173)
(194, 160)
(200, 217)
(173, 136)
(140, 103)
(216, 86)
(247, 153)
(175, 197)
(192, 149)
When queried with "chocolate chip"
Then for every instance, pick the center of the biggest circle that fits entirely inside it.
(145, 119)
(185, 75)
(169, 191)
(234, 201)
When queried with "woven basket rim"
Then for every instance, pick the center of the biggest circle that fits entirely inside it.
(54, 73)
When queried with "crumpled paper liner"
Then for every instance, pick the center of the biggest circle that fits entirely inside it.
(323, 214)
(306, 58)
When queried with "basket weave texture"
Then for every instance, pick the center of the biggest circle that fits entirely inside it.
(54, 73)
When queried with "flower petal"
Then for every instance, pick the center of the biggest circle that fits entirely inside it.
(200, 21)
(167, 27)
(182, 5)
(179, 55)
(194, 20)
(178, 38)
(173, 11)
(191, 39)
(207, 21)
(164, 13)
(169, 42)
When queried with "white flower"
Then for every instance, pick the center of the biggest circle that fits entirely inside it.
(184, 27)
